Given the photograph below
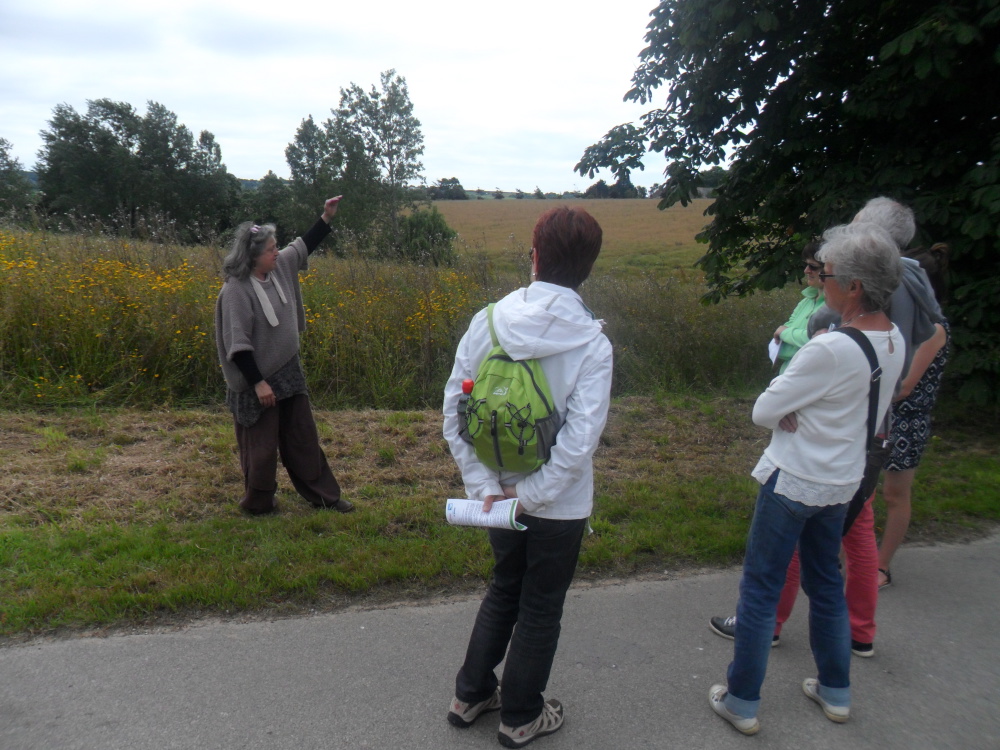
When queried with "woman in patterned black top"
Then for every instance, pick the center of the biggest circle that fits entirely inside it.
(911, 417)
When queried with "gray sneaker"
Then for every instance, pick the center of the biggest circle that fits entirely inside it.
(462, 714)
(744, 724)
(839, 714)
(549, 720)
(726, 627)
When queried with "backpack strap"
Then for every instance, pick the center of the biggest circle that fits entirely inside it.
(489, 319)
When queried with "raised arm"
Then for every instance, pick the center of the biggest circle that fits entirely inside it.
(321, 228)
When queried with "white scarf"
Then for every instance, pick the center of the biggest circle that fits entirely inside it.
(264, 301)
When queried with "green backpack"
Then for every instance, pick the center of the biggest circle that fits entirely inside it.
(510, 417)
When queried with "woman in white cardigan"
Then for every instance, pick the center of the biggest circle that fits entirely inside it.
(817, 411)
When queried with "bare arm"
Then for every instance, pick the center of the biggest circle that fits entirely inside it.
(922, 359)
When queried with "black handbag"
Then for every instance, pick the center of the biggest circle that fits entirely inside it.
(878, 447)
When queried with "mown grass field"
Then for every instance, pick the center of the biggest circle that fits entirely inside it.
(118, 501)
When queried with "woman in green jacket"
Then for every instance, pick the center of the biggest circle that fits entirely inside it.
(793, 335)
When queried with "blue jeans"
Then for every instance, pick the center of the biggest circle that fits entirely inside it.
(532, 572)
(778, 525)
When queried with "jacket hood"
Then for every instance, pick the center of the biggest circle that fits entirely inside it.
(914, 278)
(543, 319)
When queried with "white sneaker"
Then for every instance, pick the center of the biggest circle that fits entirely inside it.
(747, 725)
(549, 720)
(462, 714)
(839, 714)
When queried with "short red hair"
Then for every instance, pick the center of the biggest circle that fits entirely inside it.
(566, 242)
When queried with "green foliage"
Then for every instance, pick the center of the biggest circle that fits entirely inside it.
(427, 238)
(325, 161)
(447, 189)
(818, 107)
(15, 189)
(538, 194)
(623, 188)
(713, 177)
(378, 128)
(315, 165)
(599, 190)
(130, 172)
(268, 203)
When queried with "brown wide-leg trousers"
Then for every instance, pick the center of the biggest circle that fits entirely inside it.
(287, 428)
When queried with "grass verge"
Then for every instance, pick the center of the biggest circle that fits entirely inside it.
(125, 518)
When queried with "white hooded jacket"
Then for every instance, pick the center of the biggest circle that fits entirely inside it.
(549, 323)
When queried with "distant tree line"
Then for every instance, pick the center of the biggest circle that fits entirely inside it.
(623, 188)
(115, 169)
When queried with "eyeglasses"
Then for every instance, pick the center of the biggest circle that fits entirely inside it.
(814, 266)
(824, 276)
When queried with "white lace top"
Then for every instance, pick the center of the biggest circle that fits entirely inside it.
(802, 490)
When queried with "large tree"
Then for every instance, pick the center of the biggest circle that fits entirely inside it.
(381, 122)
(326, 160)
(315, 164)
(125, 169)
(818, 106)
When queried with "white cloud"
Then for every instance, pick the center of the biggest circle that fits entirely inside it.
(508, 95)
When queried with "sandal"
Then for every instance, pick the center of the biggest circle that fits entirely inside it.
(888, 578)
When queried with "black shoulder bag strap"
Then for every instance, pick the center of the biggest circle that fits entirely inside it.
(870, 478)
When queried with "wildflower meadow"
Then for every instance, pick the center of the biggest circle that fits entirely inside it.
(102, 320)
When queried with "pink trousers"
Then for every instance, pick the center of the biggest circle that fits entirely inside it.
(861, 562)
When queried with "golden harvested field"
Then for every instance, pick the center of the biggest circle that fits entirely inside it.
(637, 235)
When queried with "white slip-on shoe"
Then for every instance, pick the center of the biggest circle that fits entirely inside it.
(839, 714)
(744, 724)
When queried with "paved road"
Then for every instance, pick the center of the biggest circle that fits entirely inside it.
(634, 667)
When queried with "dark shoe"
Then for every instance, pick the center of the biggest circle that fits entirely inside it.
(888, 578)
(744, 724)
(726, 627)
(259, 511)
(341, 506)
(549, 720)
(462, 714)
(864, 650)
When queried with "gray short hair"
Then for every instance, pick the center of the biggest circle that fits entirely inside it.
(248, 243)
(892, 216)
(866, 253)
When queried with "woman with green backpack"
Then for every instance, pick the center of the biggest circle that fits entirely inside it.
(545, 325)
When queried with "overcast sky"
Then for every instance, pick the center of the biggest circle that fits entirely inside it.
(508, 94)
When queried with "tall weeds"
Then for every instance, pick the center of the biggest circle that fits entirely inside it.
(98, 319)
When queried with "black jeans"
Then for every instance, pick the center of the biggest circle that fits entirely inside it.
(532, 572)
